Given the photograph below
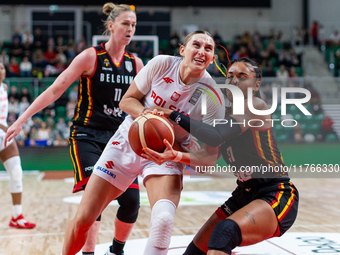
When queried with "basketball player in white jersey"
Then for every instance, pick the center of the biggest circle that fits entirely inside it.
(172, 82)
(9, 156)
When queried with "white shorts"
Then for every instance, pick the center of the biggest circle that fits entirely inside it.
(120, 165)
(2, 141)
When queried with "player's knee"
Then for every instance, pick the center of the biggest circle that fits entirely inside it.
(162, 223)
(225, 236)
(14, 170)
(161, 229)
(129, 206)
(82, 223)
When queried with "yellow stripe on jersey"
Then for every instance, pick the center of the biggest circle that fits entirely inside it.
(80, 99)
(75, 160)
(90, 105)
(288, 205)
(130, 57)
(102, 53)
(259, 145)
(281, 186)
(271, 146)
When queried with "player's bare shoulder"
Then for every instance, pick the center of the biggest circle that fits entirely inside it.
(5, 86)
(86, 60)
(260, 104)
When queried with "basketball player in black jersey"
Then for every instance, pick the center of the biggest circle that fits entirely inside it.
(105, 72)
(263, 205)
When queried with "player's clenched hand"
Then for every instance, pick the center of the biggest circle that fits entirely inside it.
(159, 158)
(194, 145)
(158, 110)
(12, 131)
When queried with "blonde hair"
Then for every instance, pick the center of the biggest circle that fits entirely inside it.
(113, 11)
(189, 36)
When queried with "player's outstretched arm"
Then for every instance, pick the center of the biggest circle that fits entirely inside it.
(83, 64)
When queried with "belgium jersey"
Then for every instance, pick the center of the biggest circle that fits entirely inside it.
(99, 94)
(255, 157)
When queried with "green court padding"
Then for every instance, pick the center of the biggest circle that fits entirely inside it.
(58, 158)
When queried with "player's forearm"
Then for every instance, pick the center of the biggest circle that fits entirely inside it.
(42, 101)
(131, 106)
(213, 136)
(203, 157)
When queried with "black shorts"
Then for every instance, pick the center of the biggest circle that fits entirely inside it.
(86, 146)
(282, 196)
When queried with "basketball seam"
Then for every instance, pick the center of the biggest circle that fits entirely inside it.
(167, 124)
(159, 136)
(141, 133)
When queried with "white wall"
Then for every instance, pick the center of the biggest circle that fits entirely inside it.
(11, 17)
(327, 13)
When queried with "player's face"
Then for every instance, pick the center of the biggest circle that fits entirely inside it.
(199, 52)
(242, 76)
(2, 72)
(124, 27)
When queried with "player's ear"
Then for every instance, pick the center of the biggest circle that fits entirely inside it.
(212, 61)
(110, 26)
(181, 50)
(256, 86)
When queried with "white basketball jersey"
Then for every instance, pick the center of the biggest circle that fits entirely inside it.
(159, 81)
(3, 106)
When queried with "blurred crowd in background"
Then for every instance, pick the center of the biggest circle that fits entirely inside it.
(34, 55)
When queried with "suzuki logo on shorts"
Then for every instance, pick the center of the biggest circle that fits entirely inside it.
(109, 164)
(238, 100)
(175, 96)
(168, 80)
(115, 143)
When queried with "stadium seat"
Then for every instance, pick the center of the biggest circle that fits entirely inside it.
(299, 71)
(292, 109)
(60, 111)
(164, 44)
(303, 128)
(314, 129)
(26, 84)
(279, 130)
(298, 117)
(282, 138)
(309, 119)
(320, 117)
(331, 138)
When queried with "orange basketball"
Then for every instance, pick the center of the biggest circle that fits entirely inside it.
(150, 130)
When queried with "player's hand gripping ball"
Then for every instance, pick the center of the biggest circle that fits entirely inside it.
(150, 130)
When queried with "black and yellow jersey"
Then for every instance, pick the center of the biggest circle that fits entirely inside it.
(255, 157)
(99, 94)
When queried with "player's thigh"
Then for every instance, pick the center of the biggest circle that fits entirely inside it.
(163, 187)
(97, 195)
(84, 154)
(8, 152)
(257, 221)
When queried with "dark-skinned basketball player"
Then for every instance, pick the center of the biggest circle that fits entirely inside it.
(263, 205)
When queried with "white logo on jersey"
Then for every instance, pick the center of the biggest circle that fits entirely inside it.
(115, 112)
(128, 66)
(111, 78)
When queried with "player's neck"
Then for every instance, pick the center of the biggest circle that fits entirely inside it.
(115, 50)
(188, 77)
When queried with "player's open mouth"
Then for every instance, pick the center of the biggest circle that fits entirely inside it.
(199, 60)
